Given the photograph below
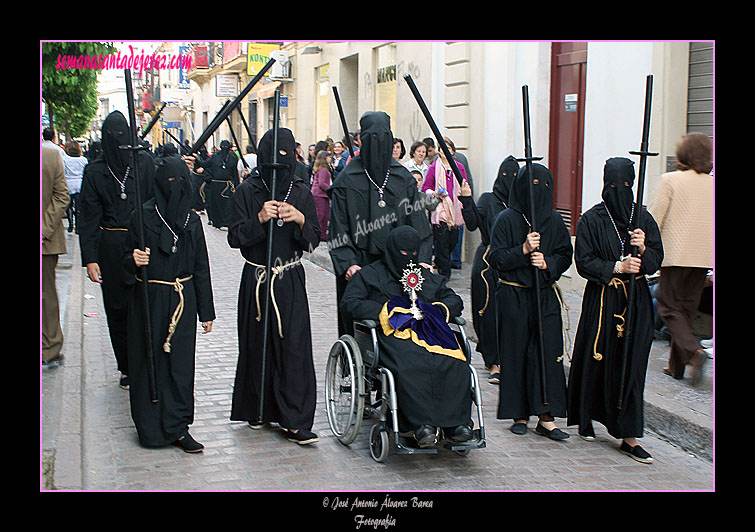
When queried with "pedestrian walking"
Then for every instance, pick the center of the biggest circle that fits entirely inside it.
(447, 218)
(515, 250)
(54, 200)
(483, 277)
(289, 378)
(371, 196)
(106, 203)
(683, 208)
(74, 164)
(180, 291)
(602, 254)
(321, 181)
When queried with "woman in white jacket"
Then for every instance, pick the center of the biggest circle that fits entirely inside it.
(73, 164)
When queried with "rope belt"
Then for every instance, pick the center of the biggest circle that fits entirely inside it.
(114, 228)
(178, 287)
(565, 325)
(487, 286)
(262, 272)
(617, 284)
(202, 193)
(229, 185)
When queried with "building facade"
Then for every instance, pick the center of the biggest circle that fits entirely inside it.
(586, 100)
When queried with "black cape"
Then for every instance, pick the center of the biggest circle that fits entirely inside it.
(520, 390)
(102, 220)
(594, 384)
(290, 385)
(432, 388)
(163, 422)
(483, 277)
(221, 179)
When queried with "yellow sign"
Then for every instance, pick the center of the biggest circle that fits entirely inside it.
(257, 56)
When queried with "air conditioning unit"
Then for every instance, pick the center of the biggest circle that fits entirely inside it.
(281, 69)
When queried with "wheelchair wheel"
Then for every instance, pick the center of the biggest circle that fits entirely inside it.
(344, 388)
(379, 443)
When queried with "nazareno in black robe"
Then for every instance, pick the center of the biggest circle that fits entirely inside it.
(221, 179)
(358, 226)
(594, 376)
(162, 423)
(432, 385)
(290, 384)
(103, 222)
(484, 277)
(520, 389)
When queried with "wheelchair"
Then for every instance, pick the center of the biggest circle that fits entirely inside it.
(353, 374)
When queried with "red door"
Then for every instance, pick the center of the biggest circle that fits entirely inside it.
(568, 75)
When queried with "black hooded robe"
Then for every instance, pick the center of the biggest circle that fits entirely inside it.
(594, 376)
(520, 389)
(221, 178)
(290, 384)
(103, 224)
(432, 388)
(358, 226)
(162, 423)
(483, 277)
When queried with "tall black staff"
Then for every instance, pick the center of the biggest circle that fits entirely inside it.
(434, 128)
(269, 263)
(246, 126)
(343, 121)
(528, 158)
(152, 122)
(236, 142)
(228, 108)
(634, 223)
(133, 148)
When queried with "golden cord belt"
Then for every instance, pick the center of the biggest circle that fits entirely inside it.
(178, 287)
(229, 185)
(113, 228)
(614, 283)
(487, 286)
(277, 270)
(564, 310)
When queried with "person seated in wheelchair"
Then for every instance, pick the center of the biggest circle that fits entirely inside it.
(413, 307)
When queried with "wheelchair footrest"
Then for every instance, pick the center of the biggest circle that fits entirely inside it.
(408, 445)
(477, 442)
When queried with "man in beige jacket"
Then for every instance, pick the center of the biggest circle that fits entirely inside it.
(683, 209)
(54, 202)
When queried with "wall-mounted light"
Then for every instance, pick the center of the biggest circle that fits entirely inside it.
(311, 50)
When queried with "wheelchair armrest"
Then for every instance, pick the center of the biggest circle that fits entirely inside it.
(458, 320)
(370, 324)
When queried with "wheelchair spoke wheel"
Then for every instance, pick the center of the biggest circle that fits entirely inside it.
(344, 388)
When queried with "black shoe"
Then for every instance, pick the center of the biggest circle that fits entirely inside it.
(519, 428)
(460, 434)
(587, 434)
(555, 434)
(426, 435)
(456, 266)
(494, 378)
(302, 436)
(636, 452)
(188, 444)
(256, 425)
(123, 383)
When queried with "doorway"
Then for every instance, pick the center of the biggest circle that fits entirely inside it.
(566, 143)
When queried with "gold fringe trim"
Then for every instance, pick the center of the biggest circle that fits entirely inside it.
(409, 334)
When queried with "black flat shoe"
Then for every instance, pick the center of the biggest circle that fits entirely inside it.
(123, 383)
(302, 436)
(188, 444)
(555, 434)
(426, 435)
(519, 428)
(636, 452)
